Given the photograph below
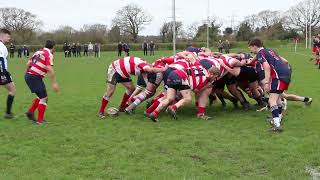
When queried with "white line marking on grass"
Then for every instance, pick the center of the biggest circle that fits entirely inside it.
(314, 173)
(301, 54)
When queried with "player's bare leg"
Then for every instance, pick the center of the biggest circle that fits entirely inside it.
(140, 98)
(293, 97)
(137, 91)
(170, 97)
(11, 88)
(129, 90)
(203, 102)
(238, 94)
(186, 99)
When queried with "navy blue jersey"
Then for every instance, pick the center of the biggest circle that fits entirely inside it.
(279, 69)
(193, 50)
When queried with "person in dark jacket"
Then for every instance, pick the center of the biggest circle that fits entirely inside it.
(78, 50)
(74, 49)
(85, 49)
(65, 50)
(96, 50)
(120, 48)
(12, 48)
(145, 48)
(20, 49)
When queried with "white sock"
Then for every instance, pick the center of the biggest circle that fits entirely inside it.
(277, 121)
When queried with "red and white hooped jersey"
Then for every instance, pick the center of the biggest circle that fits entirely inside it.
(215, 62)
(129, 66)
(228, 60)
(162, 62)
(198, 77)
(39, 61)
(180, 64)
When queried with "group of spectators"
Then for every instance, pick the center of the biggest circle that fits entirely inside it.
(148, 47)
(123, 47)
(76, 49)
(224, 45)
(22, 51)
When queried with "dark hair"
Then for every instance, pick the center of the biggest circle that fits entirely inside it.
(50, 44)
(256, 42)
(5, 31)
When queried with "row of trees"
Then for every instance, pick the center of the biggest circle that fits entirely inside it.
(131, 19)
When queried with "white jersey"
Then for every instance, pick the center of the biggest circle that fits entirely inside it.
(3, 55)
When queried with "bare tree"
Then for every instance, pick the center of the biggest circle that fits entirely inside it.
(268, 18)
(131, 19)
(166, 31)
(192, 30)
(303, 14)
(22, 23)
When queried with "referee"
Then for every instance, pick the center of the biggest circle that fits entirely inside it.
(5, 77)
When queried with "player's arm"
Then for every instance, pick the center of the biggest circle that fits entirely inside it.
(154, 69)
(284, 60)
(267, 72)
(52, 77)
(233, 71)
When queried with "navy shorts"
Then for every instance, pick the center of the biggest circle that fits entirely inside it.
(278, 86)
(5, 78)
(175, 82)
(153, 78)
(36, 85)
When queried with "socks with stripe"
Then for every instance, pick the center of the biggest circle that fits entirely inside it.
(34, 105)
(104, 103)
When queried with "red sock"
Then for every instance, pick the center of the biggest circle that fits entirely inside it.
(153, 107)
(41, 111)
(124, 101)
(317, 61)
(174, 107)
(104, 103)
(131, 100)
(34, 105)
(155, 112)
(201, 110)
(161, 95)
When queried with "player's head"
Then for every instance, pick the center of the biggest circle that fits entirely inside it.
(5, 35)
(255, 44)
(50, 44)
(213, 71)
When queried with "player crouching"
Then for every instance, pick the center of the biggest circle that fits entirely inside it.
(119, 71)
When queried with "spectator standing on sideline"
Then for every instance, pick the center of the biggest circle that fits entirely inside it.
(65, 50)
(78, 50)
(20, 49)
(90, 49)
(220, 46)
(96, 50)
(145, 48)
(69, 50)
(12, 49)
(227, 46)
(85, 49)
(120, 48)
(126, 48)
(74, 50)
(151, 48)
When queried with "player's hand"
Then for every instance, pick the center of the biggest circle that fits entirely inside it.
(55, 87)
(165, 68)
(266, 87)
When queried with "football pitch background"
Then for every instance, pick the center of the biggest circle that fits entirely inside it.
(76, 144)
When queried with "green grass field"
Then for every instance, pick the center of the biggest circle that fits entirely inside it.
(76, 144)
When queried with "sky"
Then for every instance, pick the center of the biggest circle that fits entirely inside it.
(75, 13)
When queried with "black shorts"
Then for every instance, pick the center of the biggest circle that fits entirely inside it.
(36, 85)
(113, 77)
(153, 78)
(247, 74)
(225, 80)
(166, 74)
(5, 78)
(175, 82)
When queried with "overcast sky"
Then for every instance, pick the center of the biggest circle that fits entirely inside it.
(75, 13)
